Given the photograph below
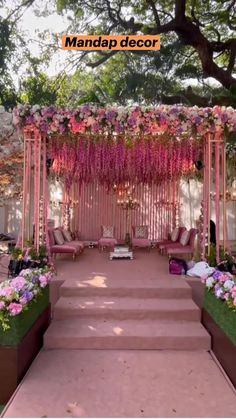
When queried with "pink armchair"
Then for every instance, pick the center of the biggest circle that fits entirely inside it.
(175, 238)
(107, 240)
(186, 244)
(140, 237)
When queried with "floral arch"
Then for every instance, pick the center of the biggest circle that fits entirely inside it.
(115, 144)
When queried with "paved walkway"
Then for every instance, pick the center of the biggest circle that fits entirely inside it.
(103, 383)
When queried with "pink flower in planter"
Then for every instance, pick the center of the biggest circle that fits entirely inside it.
(15, 309)
(2, 305)
(233, 292)
(224, 277)
(226, 296)
(7, 292)
(25, 272)
(18, 283)
(43, 280)
(23, 301)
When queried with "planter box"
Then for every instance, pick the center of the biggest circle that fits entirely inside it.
(20, 345)
(221, 324)
(21, 324)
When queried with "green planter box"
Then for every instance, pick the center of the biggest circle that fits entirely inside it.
(21, 324)
(222, 315)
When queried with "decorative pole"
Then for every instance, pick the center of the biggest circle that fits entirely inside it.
(225, 238)
(206, 194)
(34, 151)
(201, 231)
(217, 195)
(209, 196)
(23, 200)
(66, 210)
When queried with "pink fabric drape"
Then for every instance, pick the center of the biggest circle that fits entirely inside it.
(97, 206)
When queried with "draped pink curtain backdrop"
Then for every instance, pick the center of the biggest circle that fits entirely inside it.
(97, 206)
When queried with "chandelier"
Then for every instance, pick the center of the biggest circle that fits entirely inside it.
(125, 199)
(128, 203)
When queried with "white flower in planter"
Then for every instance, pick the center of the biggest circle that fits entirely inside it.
(219, 293)
(210, 282)
(228, 285)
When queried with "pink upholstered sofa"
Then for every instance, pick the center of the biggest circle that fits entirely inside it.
(180, 248)
(174, 239)
(74, 247)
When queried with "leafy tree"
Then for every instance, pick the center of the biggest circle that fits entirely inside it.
(39, 90)
(197, 37)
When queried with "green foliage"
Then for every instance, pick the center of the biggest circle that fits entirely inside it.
(179, 55)
(16, 252)
(40, 90)
(141, 77)
(224, 256)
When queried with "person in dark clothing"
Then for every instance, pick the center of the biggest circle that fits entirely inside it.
(212, 232)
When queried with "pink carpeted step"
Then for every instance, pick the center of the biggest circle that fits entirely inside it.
(99, 285)
(86, 333)
(127, 308)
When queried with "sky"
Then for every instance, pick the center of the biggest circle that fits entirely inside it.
(31, 24)
(53, 23)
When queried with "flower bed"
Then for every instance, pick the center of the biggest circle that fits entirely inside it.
(220, 301)
(23, 297)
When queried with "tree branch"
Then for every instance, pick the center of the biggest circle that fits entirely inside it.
(231, 5)
(180, 6)
(232, 57)
(188, 97)
(189, 33)
(103, 59)
(25, 3)
(155, 12)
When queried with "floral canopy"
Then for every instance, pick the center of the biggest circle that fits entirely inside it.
(115, 144)
(170, 120)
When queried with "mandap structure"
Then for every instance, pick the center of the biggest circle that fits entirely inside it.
(120, 149)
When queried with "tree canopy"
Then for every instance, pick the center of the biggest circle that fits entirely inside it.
(198, 41)
(197, 37)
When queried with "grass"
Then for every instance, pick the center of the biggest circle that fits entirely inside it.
(223, 316)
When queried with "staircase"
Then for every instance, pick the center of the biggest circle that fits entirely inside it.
(127, 314)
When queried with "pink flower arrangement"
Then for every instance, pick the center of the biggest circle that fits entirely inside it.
(15, 308)
(176, 120)
(16, 294)
(43, 280)
(18, 283)
(7, 292)
(223, 286)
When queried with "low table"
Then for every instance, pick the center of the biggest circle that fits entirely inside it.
(121, 252)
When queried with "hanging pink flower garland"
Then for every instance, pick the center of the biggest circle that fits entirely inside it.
(114, 145)
(147, 161)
